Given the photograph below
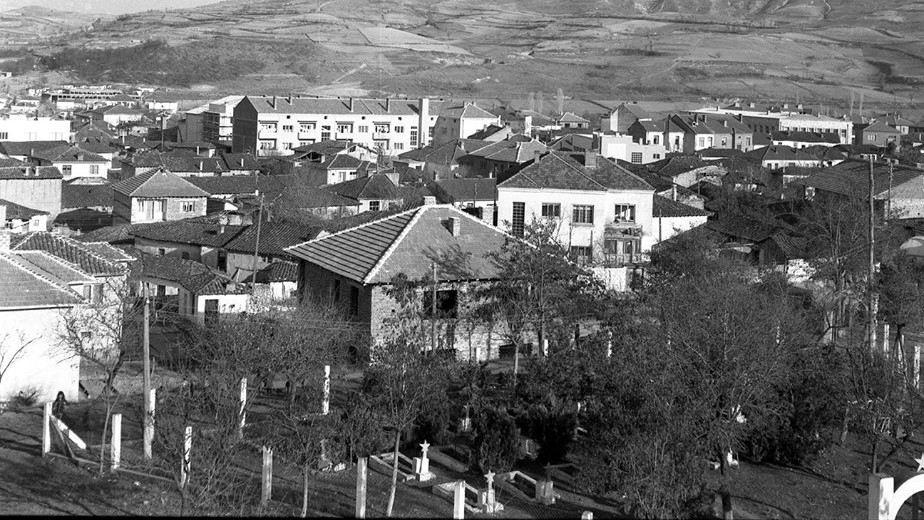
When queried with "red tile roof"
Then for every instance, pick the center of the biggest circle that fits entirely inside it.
(158, 183)
(560, 171)
(67, 249)
(23, 284)
(15, 211)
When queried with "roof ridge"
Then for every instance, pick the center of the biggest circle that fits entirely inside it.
(364, 224)
(78, 245)
(38, 273)
(394, 245)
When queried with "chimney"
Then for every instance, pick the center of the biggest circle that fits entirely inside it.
(387, 104)
(351, 104)
(201, 165)
(197, 149)
(590, 159)
(454, 225)
(289, 99)
(423, 121)
(724, 122)
(537, 153)
(751, 105)
(242, 162)
(429, 200)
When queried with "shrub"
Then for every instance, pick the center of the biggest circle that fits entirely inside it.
(27, 397)
(496, 445)
(552, 429)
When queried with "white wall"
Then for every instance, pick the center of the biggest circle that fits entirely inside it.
(18, 127)
(83, 169)
(665, 228)
(44, 365)
(622, 147)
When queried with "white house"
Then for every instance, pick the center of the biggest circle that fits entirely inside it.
(20, 127)
(604, 212)
(20, 219)
(671, 217)
(461, 122)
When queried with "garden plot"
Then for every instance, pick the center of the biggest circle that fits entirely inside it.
(388, 37)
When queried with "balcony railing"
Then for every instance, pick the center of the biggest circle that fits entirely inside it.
(623, 228)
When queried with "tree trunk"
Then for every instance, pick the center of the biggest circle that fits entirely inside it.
(102, 444)
(305, 491)
(724, 490)
(394, 476)
(516, 363)
(874, 458)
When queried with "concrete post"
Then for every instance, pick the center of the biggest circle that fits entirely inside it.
(881, 488)
(149, 424)
(325, 404)
(243, 415)
(116, 443)
(46, 429)
(916, 367)
(545, 348)
(267, 476)
(361, 474)
(458, 501)
(184, 464)
(587, 515)
(886, 347)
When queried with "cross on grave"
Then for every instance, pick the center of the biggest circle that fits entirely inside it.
(486, 499)
(489, 476)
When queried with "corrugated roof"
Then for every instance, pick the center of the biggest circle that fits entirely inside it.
(23, 284)
(158, 183)
(409, 242)
(67, 249)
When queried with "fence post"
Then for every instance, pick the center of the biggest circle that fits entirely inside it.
(149, 424)
(325, 404)
(46, 429)
(116, 454)
(361, 474)
(184, 464)
(243, 415)
(458, 503)
(267, 476)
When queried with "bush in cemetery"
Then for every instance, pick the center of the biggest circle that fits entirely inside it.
(497, 440)
(553, 428)
(361, 430)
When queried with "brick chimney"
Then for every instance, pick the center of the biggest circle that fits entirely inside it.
(590, 159)
(454, 225)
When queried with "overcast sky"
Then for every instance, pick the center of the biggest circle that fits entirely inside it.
(103, 7)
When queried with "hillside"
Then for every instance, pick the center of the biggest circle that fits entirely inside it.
(684, 49)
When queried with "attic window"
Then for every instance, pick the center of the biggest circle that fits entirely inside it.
(447, 303)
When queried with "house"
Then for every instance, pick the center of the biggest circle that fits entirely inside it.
(23, 150)
(624, 116)
(436, 161)
(106, 264)
(33, 303)
(20, 219)
(246, 254)
(159, 103)
(94, 130)
(212, 122)
(156, 196)
(114, 115)
(763, 119)
(672, 217)
(760, 243)
(494, 133)
(354, 269)
(197, 292)
(687, 170)
(271, 125)
(233, 186)
(461, 122)
(668, 132)
(188, 165)
(795, 139)
(85, 205)
(36, 187)
(475, 196)
(310, 200)
(376, 192)
(703, 131)
(122, 100)
(896, 188)
(604, 210)
(20, 127)
(73, 162)
(337, 168)
(278, 281)
(624, 148)
(843, 127)
(324, 150)
(777, 157)
(196, 240)
(899, 123)
(493, 159)
(572, 120)
(880, 134)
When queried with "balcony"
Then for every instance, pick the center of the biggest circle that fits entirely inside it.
(621, 228)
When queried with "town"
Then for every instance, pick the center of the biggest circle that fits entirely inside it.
(431, 306)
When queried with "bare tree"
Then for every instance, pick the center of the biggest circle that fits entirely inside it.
(10, 351)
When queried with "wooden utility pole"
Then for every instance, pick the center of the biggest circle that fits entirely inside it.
(871, 317)
(256, 249)
(146, 343)
(433, 312)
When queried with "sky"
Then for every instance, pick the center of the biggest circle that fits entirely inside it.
(104, 7)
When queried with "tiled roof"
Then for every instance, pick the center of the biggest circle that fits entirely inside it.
(186, 232)
(373, 187)
(27, 148)
(184, 161)
(30, 172)
(278, 271)
(158, 183)
(537, 118)
(488, 131)
(465, 111)
(880, 126)
(570, 117)
(193, 276)
(60, 269)
(275, 237)
(461, 190)
(118, 234)
(109, 252)
(780, 153)
(78, 195)
(297, 105)
(446, 153)
(67, 249)
(69, 154)
(636, 110)
(851, 177)
(98, 145)
(409, 242)
(5, 163)
(713, 153)
(510, 151)
(15, 211)
(237, 184)
(559, 171)
(746, 228)
(310, 197)
(674, 165)
(23, 284)
(667, 208)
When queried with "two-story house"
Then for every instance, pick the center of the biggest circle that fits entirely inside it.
(36, 187)
(603, 211)
(461, 121)
(376, 192)
(156, 196)
(73, 162)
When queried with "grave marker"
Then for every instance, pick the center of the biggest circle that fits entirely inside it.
(325, 403)
(116, 441)
(458, 502)
(267, 480)
(361, 475)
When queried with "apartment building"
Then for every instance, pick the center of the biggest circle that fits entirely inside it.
(20, 127)
(274, 125)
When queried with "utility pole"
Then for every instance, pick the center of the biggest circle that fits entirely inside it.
(147, 374)
(256, 249)
(433, 312)
(871, 318)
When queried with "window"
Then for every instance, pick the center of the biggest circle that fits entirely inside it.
(267, 144)
(286, 146)
(374, 205)
(354, 301)
(413, 136)
(267, 127)
(430, 132)
(151, 209)
(551, 210)
(4, 136)
(381, 128)
(656, 139)
(399, 129)
(625, 213)
(66, 169)
(335, 291)
(447, 303)
(161, 251)
(380, 144)
(583, 215)
(636, 157)
(306, 126)
(211, 311)
(519, 217)
(399, 146)
(655, 156)
(363, 129)
(702, 142)
(724, 142)
(582, 254)
(305, 142)
(287, 128)
(189, 206)
(325, 133)
(185, 255)
(344, 128)
(94, 169)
